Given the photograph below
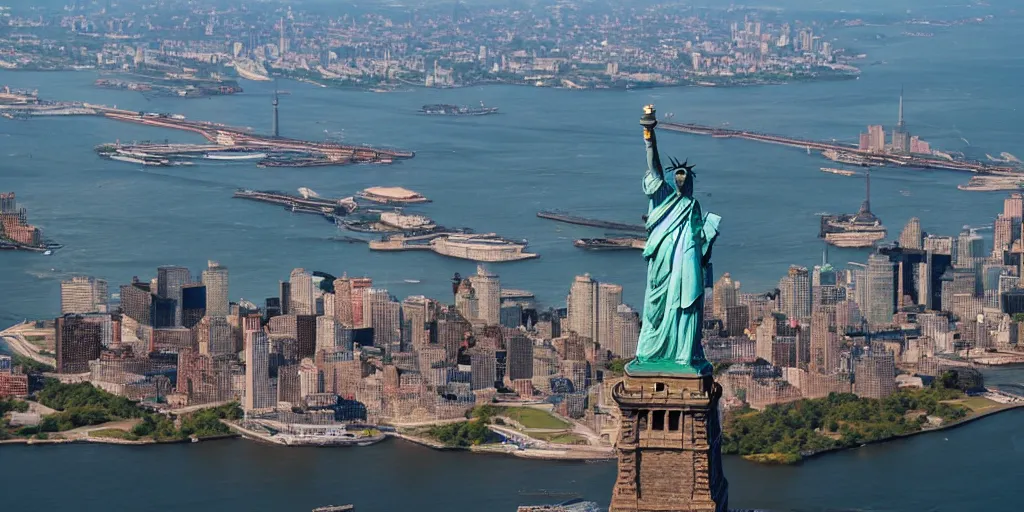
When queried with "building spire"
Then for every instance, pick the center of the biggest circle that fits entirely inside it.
(900, 122)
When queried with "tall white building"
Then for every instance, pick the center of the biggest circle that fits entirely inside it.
(591, 310)
(488, 294)
(81, 295)
(581, 306)
(609, 298)
(215, 278)
(627, 332)
(259, 393)
(302, 300)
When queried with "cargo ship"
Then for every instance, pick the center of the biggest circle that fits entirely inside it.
(862, 229)
(597, 223)
(440, 109)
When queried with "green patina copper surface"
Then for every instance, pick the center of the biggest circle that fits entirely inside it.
(678, 256)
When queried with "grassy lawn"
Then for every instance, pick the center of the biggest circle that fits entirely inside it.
(561, 438)
(35, 339)
(976, 404)
(534, 418)
(113, 433)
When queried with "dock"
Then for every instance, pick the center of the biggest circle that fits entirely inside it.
(597, 223)
(487, 247)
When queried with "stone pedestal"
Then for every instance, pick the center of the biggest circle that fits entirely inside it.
(669, 445)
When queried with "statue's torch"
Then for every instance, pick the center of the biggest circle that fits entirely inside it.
(648, 121)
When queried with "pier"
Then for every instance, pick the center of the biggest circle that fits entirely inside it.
(596, 223)
(848, 153)
(283, 151)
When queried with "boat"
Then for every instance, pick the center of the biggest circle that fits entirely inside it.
(841, 172)
(862, 229)
(47, 252)
(440, 109)
(235, 156)
(412, 281)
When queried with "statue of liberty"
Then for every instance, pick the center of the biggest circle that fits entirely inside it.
(678, 255)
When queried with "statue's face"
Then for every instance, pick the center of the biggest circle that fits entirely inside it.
(681, 177)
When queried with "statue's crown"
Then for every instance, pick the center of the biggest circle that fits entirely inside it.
(676, 166)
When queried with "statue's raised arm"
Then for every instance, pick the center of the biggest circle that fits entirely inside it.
(648, 121)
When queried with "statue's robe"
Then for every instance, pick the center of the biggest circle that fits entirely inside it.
(678, 246)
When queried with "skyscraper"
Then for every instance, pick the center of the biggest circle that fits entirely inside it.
(581, 307)
(193, 304)
(795, 294)
(1013, 206)
(488, 294)
(385, 315)
(970, 248)
(723, 296)
(900, 135)
(83, 295)
(215, 277)
(626, 332)
(911, 237)
(214, 336)
(416, 312)
(879, 290)
(824, 341)
(1002, 237)
(301, 299)
(79, 340)
(259, 394)
(609, 298)
(169, 281)
(343, 301)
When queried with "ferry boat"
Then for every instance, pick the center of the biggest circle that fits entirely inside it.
(841, 172)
